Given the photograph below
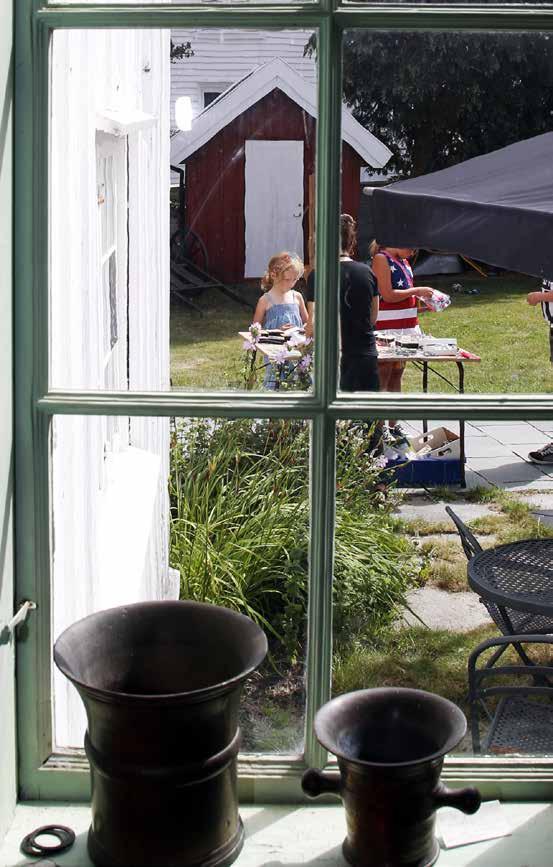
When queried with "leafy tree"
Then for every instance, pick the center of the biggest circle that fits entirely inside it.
(439, 98)
(180, 51)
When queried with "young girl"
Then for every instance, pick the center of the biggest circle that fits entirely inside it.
(280, 306)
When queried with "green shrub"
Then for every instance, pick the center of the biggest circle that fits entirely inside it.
(239, 525)
(239, 519)
(373, 568)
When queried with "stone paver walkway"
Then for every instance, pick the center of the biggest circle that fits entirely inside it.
(438, 609)
(497, 454)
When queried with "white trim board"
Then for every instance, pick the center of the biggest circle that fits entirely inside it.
(121, 123)
(253, 87)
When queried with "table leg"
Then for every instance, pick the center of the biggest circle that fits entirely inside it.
(425, 391)
(461, 369)
(251, 375)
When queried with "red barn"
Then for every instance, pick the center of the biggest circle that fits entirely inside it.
(250, 169)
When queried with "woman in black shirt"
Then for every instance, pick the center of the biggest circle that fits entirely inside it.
(358, 313)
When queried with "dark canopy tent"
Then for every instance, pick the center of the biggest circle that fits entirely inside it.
(497, 208)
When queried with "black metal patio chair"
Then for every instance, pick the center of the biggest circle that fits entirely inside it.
(470, 543)
(519, 718)
(510, 621)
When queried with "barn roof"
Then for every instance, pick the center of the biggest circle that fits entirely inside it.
(250, 89)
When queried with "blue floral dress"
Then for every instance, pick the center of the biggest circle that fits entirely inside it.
(276, 316)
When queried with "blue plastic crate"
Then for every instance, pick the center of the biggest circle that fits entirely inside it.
(427, 472)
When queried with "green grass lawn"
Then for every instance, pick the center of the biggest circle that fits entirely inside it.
(510, 337)
(497, 324)
(206, 351)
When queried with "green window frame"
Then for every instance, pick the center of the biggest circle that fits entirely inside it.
(43, 774)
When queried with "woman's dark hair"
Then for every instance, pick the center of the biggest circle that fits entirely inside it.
(348, 233)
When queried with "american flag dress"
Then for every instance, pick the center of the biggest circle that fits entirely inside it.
(399, 314)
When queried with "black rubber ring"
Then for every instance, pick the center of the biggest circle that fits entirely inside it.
(65, 836)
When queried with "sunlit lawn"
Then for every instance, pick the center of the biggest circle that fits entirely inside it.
(497, 324)
(510, 337)
(445, 564)
(206, 351)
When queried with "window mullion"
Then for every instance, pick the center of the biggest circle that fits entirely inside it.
(190, 15)
(346, 15)
(443, 17)
(328, 198)
(182, 404)
(32, 429)
(321, 562)
(322, 464)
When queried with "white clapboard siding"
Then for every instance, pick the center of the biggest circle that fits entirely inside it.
(222, 57)
(109, 477)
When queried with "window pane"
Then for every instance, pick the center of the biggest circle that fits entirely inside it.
(116, 2)
(476, 232)
(405, 612)
(521, 3)
(230, 527)
(159, 252)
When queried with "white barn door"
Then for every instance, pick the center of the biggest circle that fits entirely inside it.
(273, 207)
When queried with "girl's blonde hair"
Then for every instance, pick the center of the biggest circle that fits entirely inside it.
(374, 248)
(279, 263)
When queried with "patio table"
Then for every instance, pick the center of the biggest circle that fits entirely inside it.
(518, 579)
(424, 363)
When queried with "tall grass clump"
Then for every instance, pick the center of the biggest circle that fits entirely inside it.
(239, 495)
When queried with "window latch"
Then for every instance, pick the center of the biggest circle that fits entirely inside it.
(19, 617)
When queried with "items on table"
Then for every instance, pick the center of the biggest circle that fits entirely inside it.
(437, 301)
(292, 335)
(405, 343)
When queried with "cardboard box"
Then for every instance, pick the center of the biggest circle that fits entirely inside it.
(429, 473)
(437, 443)
(438, 463)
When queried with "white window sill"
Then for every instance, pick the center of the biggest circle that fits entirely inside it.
(281, 836)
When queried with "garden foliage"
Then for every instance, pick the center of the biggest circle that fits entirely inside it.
(240, 516)
(438, 98)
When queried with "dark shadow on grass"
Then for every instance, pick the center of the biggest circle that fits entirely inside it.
(433, 660)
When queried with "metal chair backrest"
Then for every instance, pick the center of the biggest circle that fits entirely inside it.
(470, 543)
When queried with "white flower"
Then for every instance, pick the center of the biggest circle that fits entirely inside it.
(305, 362)
(282, 356)
(255, 330)
(296, 339)
(249, 345)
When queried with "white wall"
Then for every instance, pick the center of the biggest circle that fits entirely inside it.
(224, 56)
(110, 508)
(7, 682)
